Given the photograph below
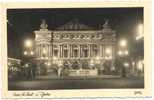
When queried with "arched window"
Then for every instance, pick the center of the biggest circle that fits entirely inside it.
(75, 51)
(95, 50)
(65, 50)
(85, 51)
(55, 51)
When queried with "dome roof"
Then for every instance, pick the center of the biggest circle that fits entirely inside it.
(74, 25)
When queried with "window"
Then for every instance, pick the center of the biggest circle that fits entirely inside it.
(85, 53)
(95, 53)
(75, 53)
(95, 50)
(55, 53)
(65, 53)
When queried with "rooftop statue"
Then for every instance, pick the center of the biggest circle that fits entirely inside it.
(43, 24)
(106, 24)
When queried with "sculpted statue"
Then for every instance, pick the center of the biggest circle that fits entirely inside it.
(43, 24)
(106, 22)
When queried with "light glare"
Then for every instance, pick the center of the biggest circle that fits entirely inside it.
(28, 43)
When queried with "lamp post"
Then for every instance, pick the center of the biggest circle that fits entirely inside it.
(108, 52)
(28, 45)
(29, 54)
(122, 53)
(139, 32)
(139, 47)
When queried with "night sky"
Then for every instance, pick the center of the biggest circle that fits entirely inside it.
(22, 22)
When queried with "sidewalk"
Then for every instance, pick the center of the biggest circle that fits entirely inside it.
(76, 77)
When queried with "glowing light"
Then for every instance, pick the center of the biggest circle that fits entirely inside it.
(126, 64)
(26, 65)
(25, 53)
(97, 58)
(48, 63)
(133, 63)
(110, 57)
(92, 62)
(28, 43)
(113, 68)
(119, 53)
(32, 53)
(139, 32)
(106, 58)
(123, 43)
(108, 50)
(126, 52)
(44, 51)
(60, 63)
(54, 58)
(140, 65)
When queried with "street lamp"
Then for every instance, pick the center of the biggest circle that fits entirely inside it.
(123, 48)
(126, 52)
(25, 53)
(32, 53)
(123, 52)
(28, 43)
(108, 52)
(139, 32)
(123, 43)
(28, 48)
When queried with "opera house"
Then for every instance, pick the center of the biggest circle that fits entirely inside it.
(75, 47)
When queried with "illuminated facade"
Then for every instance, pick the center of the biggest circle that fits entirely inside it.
(74, 45)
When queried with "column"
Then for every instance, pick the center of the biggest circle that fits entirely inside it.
(78, 50)
(58, 50)
(70, 50)
(41, 50)
(49, 50)
(100, 50)
(62, 51)
(36, 50)
(89, 50)
(113, 50)
(92, 51)
(81, 51)
(103, 51)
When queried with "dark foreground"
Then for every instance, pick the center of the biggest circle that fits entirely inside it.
(53, 84)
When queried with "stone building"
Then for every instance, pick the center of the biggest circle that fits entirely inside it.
(74, 45)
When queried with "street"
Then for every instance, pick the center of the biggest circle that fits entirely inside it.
(98, 83)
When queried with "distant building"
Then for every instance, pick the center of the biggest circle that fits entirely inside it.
(13, 61)
(14, 66)
(74, 45)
